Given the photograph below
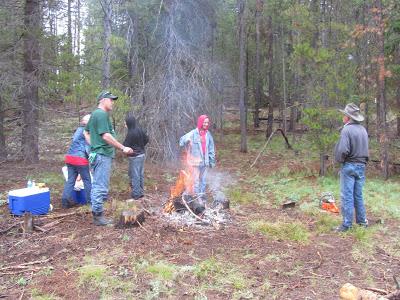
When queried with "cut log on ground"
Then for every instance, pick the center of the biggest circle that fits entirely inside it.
(28, 223)
(130, 218)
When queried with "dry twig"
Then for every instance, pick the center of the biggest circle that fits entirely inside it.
(379, 291)
(141, 226)
(188, 208)
(26, 265)
(10, 227)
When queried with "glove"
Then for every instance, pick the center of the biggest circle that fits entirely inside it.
(92, 157)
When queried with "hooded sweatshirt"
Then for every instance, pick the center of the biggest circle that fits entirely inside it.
(136, 138)
(202, 131)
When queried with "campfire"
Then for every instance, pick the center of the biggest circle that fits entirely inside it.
(188, 208)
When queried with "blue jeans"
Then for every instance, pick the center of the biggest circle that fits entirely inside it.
(73, 172)
(136, 175)
(352, 179)
(199, 176)
(101, 181)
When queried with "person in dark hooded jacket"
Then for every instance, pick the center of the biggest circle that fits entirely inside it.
(136, 139)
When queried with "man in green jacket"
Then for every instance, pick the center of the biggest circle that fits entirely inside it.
(101, 135)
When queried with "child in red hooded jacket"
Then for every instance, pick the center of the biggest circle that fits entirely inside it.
(200, 153)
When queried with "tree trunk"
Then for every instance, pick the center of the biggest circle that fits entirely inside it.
(324, 43)
(107, 9)
(284, 103)
(397, 53)
(259, 9)
(30, 130)
(398, 110)
(271, 83)
(3, 150)
(292, 92)
(381, 126)
(242, 74)
(69, 27)
(322, 164)
(69, 64)
(132, 37)
(78, 25)
(365, 64)
(314, 7)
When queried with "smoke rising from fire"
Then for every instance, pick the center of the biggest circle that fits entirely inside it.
(217, 182)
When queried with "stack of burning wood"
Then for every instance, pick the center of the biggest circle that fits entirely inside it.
(182, 196)
(182, 199)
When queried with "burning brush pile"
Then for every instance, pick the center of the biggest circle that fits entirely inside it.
(186, 208)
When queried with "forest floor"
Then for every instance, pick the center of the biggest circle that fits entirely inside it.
(265, 252)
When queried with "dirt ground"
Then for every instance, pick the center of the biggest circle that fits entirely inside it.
(48, 263)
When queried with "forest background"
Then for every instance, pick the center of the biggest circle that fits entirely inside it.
(172, 60)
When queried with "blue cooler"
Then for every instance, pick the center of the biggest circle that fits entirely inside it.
(79, 196)
(33, 200)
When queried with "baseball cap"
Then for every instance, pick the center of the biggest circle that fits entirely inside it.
(106, 94)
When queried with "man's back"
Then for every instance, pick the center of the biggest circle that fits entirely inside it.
(353, 144)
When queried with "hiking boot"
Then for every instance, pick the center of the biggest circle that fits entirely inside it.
(99, 219)
(364, 224)
(341, 228)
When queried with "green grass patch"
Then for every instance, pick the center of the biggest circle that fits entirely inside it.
(163, 270)
(311, 208)
(92, 274)
(99, 278)
(49, 178)
(326, 222)
(363, 235)
(208, 267)
(238, 196)
(280, 188)
(217, 275)
(382, 197)
(151, 182)
(119, 182)
(293, 231)
(363, 252)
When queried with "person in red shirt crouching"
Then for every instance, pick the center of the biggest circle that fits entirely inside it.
(78, 165)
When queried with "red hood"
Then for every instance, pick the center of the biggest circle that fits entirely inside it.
(200, 122)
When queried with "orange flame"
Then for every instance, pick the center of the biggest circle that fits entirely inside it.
(184, 183)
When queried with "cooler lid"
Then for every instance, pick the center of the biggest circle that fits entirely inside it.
(27, 192)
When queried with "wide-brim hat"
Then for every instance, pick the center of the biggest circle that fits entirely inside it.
(353, 111)
(106, 94)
